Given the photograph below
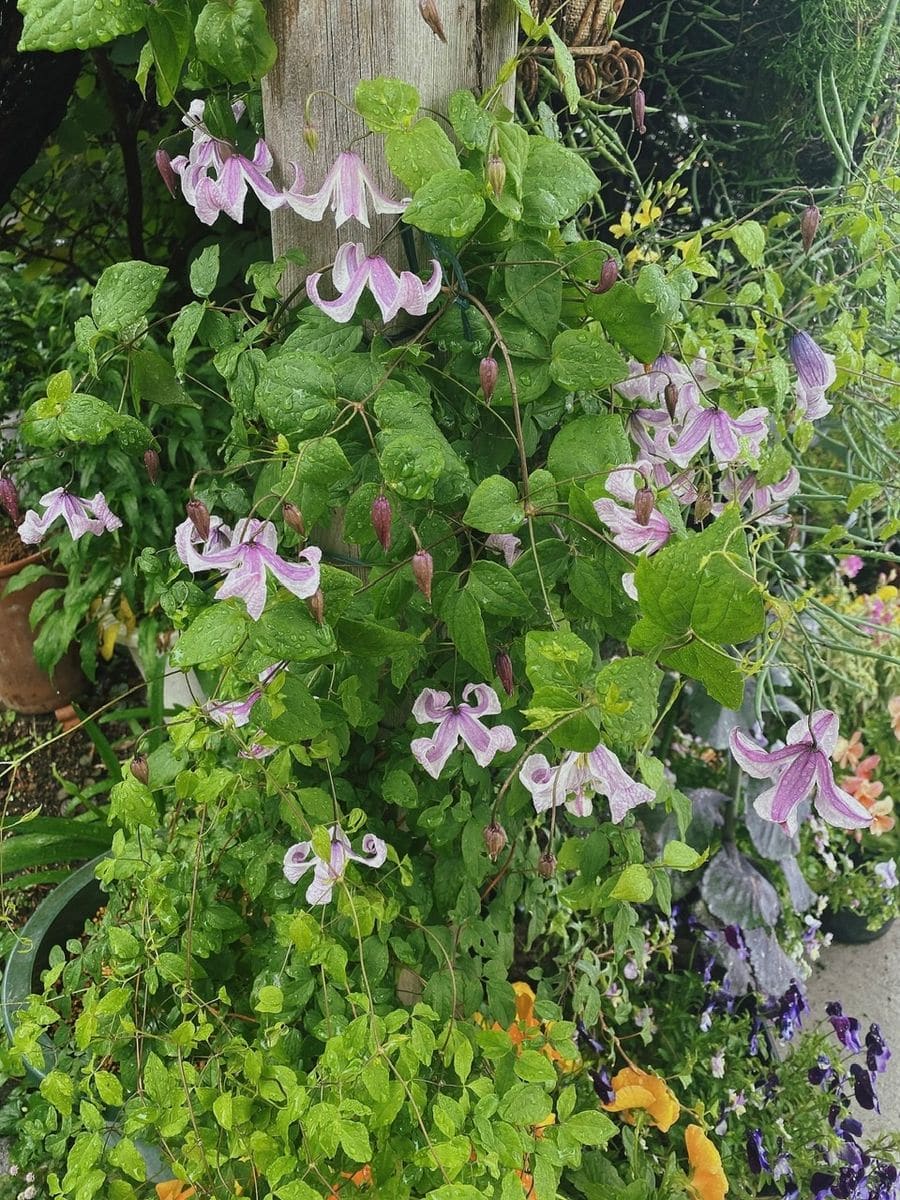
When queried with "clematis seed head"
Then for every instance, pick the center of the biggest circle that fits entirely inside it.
(643, 505)
(140, 769)
(432, 18)
(311, 137)
(293, 518)
(316, 605)
(638, 108)
(382, 516)
(547, 865)
(809, 223)
(151, 465)
(423, 572)
(199, 518)
(702, 506)
(504, 668)
(496, 174)
(670, 395)
(495, 839)
(488, 374)
(609, 274)
(9, 498)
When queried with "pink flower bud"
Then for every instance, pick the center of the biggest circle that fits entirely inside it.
(381, 520)
(316, 605)
(488, 374)
(432, 18)
(151, 465)
(504, 668)
(164, 166)
(494, 839)
(638, 108)
(547, 865)
(496, 174)
(9, 499)
(609, 273)
(293, 518)
(670, 395)
(199, 516)
(140, 769)
(809, 223)
(423, 572)
(643, 505)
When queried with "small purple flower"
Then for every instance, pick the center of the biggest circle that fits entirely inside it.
(851, 566)
(767, 501)
(354, 271)
(730, 438)
(603, 1086)
(757, 1158)
(815, 374)
(80, 514)
(506, 544)
(864, 1087)
(576, 780)
(343, 191)
(848, 1128)
(822, 1073)
(887, 874)
(821, 1185)
(846, 1028)
(459, 723)
(800, 770)
(247, 559)
(585, 1040)
(877, 1052)
(634, 535)
(301, 858)
(789, 1012)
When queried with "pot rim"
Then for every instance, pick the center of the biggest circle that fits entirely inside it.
(9, 569)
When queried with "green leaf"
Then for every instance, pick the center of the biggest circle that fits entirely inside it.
(417, 153)
(288, 630)
(633, 885)
(270, 999)
(126, 1156)
(565, 70)
(654, 288)
(524, 1104)
(471, 124)
(465, 624)
(131, 804)
(556, 183)
(355, 1141)
(153, 380)
(584, 360)
(627, 692)
(386, 104)
(81, 418)
(750, 239)
(205, 271)
(233, 37)
(534, 286)
(410, 466)
(494, 506)
(58, 1089)
(534, 1067)
(588, 446)
(77, 24)
(449, 204)
(497, 590)
(211, 637)
(591, 1128)
(557, 659)
(296, 394)
(634, 323)
(124, 293)
(682, 857)
(170, 27)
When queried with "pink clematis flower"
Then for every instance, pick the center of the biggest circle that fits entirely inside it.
(800, 770)
(80, 514)
(215, 177)
(506, 544)
(257, 750)
(301, 858)
(651, 426)
(767, 500)
(344, 191)
(576, 780)
(456, 723)
(237, 712)
(730, 438)
(629, 533)
(247, 559)
(354, 271)
(815, 374)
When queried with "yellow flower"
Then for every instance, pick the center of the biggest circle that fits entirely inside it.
(624, 225)
(886, 592)
(174, 1189)
(707, 1181)
(636, 1089)
(647, 213)
(637, 255)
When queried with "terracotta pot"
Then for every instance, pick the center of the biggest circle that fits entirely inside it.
(24, 685)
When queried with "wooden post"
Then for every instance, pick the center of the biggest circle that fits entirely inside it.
(329, 46)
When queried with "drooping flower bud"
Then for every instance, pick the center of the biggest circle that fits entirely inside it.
(504, 668)
(151, 465)
(311, 137)
(670, 395)
(488, 374)
(164, 166)
(381, 520)
(643, 505)
(140, 769)
(547, 865)
(199, 515)
(810, 361)
(432, 18)
(496, 174)
(423, 572)
(316, 605)
(609, 274)
(9, 499)
(494, 839)
(638, 108)
(809, 223)
(293, 518)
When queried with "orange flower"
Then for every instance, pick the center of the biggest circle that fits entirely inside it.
(520, 1032)
(848, 752)
(527, 1184)
(635, 1089)
(882, 821)
(174, 1189)
(707, 1181)
(894, 713)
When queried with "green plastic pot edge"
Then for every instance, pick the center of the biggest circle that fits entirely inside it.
(16, 987)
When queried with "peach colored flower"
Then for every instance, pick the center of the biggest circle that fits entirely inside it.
(707, 1181)
(865, 790)
(637, 1090)
(849, 751)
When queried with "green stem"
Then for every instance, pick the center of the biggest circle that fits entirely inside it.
(859, 112)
